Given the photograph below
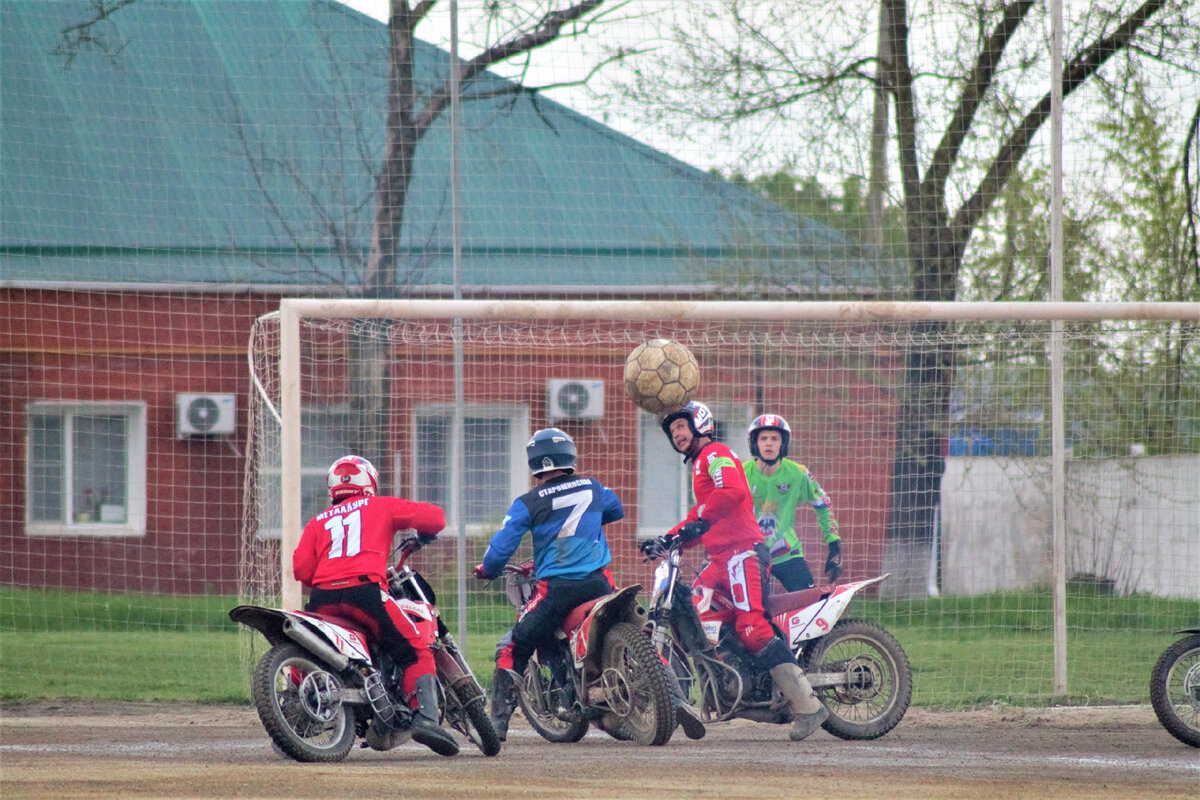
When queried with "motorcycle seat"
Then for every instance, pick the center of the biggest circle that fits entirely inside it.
(577, 615)
(784, 602)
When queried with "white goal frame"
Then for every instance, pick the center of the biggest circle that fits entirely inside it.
(293, 311)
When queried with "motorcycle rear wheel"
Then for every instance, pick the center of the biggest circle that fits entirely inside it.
(637, 685)
(874, 685)
(549, 705)
(298, 701)
(1175, 689)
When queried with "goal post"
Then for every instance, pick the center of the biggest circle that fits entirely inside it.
(838, 371)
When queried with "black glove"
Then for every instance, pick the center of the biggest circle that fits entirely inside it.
(693, 530)
(426, 538)
(653, 548)
(833, 562)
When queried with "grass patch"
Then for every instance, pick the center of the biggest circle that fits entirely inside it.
(965, 651)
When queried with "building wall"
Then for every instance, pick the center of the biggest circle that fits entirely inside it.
(1132, 521)
(149, 347)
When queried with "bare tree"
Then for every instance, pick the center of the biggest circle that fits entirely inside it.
(508, 32)
(810, 67)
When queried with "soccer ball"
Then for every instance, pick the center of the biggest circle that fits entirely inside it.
(661, 375)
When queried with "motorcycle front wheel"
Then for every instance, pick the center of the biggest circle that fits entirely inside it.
(548, 702)
(466, 711)
(863, 677)
(1175, 689)
(636, 685)
(299, 703)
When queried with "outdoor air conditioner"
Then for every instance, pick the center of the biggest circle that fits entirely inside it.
(573, 398)
(205, 414)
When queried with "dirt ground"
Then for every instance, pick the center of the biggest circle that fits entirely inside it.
(76, 750)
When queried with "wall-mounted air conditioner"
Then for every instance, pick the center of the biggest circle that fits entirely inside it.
(574, 398)
(205, 414)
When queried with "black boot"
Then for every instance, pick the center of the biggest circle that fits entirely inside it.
(504, 700)
(688, 718)
(425, 727)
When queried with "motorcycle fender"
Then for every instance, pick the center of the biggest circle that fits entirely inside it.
(349, 642)
(587, 640)
(271, 622)
(816, 620)
(449, 670)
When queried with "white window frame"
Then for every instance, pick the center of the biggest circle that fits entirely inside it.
(274, 470)
(518, 469)
(135, 467)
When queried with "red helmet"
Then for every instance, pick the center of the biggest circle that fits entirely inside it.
(350, 476)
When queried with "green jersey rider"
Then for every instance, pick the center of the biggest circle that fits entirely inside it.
(778, 486)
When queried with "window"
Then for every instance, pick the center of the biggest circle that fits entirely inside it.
(494, 465)
(86, 469)
(326, 437)
(664, 481)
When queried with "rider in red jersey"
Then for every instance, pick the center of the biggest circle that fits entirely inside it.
(723, 520)
(343, 557)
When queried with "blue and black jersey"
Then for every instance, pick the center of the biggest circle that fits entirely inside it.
(565, 515)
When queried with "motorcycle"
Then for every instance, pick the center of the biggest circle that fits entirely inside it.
(1175, 688)
(859, 671)
(600, 669)
(322, 685)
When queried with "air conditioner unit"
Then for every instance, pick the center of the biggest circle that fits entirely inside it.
(573, 398)
(205, 414)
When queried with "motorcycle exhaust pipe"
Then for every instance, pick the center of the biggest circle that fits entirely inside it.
(316, 645)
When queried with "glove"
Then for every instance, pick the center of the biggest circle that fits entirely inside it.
(426, 538)
(693, 530)
(833, 562)
(652, 548)
(479, 573)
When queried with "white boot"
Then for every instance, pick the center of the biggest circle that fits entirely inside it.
(807, 711)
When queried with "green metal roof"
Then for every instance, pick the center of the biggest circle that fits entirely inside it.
(219, 142)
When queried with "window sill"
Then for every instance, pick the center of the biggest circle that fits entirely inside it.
(88, 529)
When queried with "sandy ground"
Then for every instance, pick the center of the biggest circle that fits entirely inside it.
(75, 750)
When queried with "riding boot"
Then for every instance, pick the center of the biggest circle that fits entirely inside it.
(504, 700)
(425, 727)
(807, 711)
(688, 718)
(686, 715)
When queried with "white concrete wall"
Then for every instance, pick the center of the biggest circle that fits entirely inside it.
(1135, 521)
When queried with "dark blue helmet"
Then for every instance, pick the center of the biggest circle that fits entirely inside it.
(549, 449)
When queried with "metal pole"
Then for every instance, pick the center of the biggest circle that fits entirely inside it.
(1057, 422)
(459, 448)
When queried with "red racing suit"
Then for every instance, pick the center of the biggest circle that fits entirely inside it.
(723, 500)
(343, 557)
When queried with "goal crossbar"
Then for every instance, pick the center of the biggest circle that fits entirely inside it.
(672, 310)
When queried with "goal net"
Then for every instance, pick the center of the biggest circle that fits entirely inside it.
(931, 433)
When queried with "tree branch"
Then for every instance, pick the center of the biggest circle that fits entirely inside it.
(977, 85)
(1013, 149)
(548, 29)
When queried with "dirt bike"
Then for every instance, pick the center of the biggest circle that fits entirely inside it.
(323, 684)
(600, 669)
(1175, 688)
(858, 670)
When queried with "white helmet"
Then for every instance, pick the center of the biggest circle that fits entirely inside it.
(350, 476)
